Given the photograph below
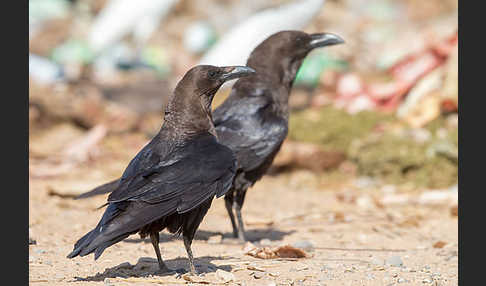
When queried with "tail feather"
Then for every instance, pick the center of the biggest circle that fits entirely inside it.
(87, 243)
(118, 222)
(103, 189)
(82, 242)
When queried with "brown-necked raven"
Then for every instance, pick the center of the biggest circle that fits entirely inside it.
(253, 120)
(172, 181)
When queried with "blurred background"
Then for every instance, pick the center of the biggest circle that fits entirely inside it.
(383, 106)
(374, 121)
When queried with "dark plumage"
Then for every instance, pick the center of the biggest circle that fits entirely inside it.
(253, 120)
(172, 181)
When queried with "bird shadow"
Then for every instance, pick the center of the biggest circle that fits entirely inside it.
(148, 266)
(252, 235)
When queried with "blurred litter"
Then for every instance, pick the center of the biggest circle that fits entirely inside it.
(41, 11)
(121, 17)
(283, 251)
(43, 70)
(380, 106)
(235, 45)
(199, 36)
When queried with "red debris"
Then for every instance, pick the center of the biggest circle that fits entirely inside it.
(405, 74)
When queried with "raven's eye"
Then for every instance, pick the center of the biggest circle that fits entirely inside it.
(212, 74)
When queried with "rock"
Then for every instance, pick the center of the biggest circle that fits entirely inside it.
(248, 246)
(255, 268)
(394, 261)
(258, 275)
(365, 202)
(303, 244)
(364, 182)
(437, 197)
(307, 156)
(454, 210)
(225, 276)
(265, 242)
(32, 241)
(439, 244)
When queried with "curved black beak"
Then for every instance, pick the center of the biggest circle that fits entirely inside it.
(324, 39)
(233, 72)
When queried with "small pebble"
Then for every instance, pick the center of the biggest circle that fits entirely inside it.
(265, 242)
(225, 276)
(258, 275)
(325, 268)
(303, 244)
(394, 261)
(32, 241)
(427, 280)
(39, 251)
(402, 280)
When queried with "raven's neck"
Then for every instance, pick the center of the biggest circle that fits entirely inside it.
(186, 117)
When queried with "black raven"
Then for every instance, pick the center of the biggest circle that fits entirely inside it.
(253, 120)
(172, 181)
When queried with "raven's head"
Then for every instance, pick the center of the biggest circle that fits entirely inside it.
(282, 53)
(190, 104)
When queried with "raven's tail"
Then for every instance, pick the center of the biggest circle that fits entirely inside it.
(103, 189)
(99, 238)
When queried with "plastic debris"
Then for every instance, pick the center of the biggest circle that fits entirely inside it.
(73, 51)
(43, 70)
(121, 17)
(199, 37)
(251, 32)
(314, 65)
(387, 96)
(42, 10)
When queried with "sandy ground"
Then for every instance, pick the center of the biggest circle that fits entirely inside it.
(354, 235)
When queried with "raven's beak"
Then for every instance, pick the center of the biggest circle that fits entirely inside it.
(233, 72)
(324, 39)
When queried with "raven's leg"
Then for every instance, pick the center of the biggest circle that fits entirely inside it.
(154, 236)
(237, 205)
(192, 220)
(187, 244)
(228, 201)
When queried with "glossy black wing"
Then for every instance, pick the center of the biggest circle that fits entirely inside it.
(248, 126)
(203, 168)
